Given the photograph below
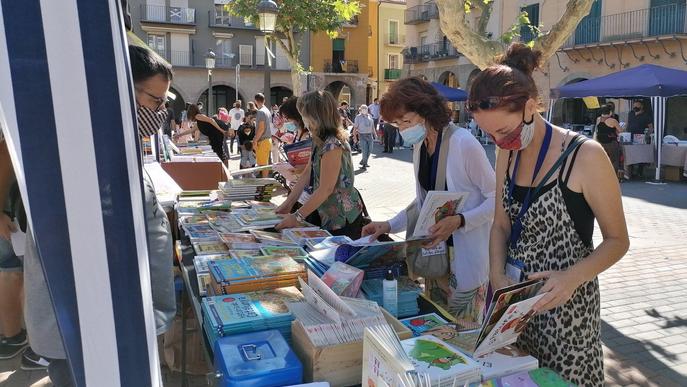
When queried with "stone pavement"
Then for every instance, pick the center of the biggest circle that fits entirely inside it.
(643, 297)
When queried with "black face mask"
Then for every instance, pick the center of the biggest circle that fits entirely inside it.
(637, 109)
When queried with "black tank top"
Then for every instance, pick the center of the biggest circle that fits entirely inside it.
(578, 208)
(604, 133)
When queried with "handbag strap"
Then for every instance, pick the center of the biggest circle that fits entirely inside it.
(440, 182)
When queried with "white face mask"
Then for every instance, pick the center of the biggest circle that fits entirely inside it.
(414, 135)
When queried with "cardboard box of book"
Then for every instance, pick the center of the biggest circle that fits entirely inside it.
(340, 365)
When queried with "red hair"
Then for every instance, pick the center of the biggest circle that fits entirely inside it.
(418, 96)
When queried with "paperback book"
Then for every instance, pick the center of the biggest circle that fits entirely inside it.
(540, 377)
(421, 324)
(437, 206)
(344, 280)
(299, 235)
(239, 241)
(290, 251)
(272, 238)
(200, 262)
(210, 247)
(245, 253)
(253, 273)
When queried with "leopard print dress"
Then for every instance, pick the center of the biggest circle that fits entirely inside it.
(567, 338)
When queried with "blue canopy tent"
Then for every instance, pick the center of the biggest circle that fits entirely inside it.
(646, 80)
(451, 94)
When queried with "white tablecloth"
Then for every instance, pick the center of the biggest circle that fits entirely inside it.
(638, 154)
(673, 155)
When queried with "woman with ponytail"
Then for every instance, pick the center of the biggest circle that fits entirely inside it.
(552, 185)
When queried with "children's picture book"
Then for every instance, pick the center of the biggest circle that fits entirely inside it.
(421, 324)
(240, 241)
(540, 377)
(253, 273)
(327, 242)
(440, 361)
(210, 247)
(299, 235)
(272, 238)
(506, 361)
(509, 312)
(385, 362)
(437, 206)
(343, 279)
(289, 251)
(243, 253)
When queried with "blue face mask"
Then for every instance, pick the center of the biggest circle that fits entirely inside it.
(414, 134)
(290, 126)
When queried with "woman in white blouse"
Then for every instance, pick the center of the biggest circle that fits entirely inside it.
(422, 116)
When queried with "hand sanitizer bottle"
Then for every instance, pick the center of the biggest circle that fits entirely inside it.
(390, 294)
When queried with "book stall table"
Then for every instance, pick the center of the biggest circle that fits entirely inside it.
(638, 153)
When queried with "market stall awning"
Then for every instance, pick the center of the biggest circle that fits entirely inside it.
(646, 80)
(452, 94)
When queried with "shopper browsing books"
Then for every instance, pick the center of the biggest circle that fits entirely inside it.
(420, 113)
(293, 122)
(211, 127)
(248, 156)
(335, 204)
(575, 183)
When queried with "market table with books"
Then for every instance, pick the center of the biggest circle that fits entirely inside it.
(326, 326)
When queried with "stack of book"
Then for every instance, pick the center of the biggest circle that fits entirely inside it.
(239, 275)
(408, 293)
(295, 252)
(249, 189)
(200, 262)
(249, 312)
(328, 319)
(199, 232)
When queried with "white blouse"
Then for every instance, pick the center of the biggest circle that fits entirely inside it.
(467, 170)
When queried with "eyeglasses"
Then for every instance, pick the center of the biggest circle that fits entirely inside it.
(491, 102)
(157, 99)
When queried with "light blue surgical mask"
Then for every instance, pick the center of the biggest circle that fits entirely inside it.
(290, 127)
(414, 135)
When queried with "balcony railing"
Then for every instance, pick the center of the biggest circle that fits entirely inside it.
(643, 23)
(173, 15)
(430, 52)
(394, 39)
(392, 74)
(343, 66)
(421, 13)
(228, 21)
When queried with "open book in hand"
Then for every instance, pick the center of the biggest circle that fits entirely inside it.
(437, 206)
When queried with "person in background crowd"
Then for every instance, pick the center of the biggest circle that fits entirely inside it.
(422, 116)
(554, 241)
(246, 131)
(277, 133)
(335, 204)
(364, 127)
(283, 100)
(225, 123)
(152, 77)
(607, 131)
(263, 132)
(389, 137)
(211, 127)
(247, 156)
(638, 122)
(251, 106)
(293, 121)
(611, 105)
(455, 117)
(374, 113)
(171, 122)
(236, 114)
(14, 339)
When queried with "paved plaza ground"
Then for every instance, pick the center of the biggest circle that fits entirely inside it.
(643, 297)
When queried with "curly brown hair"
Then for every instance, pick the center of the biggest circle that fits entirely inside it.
(418, 96)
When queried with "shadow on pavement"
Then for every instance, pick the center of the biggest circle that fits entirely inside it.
(632, 361)
(669, 195)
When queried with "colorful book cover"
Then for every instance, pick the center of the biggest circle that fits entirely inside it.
(540, 377)
(440, 361)
(437, 206)
(506, 361)
(233, 270)
(212, 247)
(293, 252)
(421, 324)
(299, 235)
(271, 237)
(343, 279)
(240, 241)
(245, 253)
(327, 242)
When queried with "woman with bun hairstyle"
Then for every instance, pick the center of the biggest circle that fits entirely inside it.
(552, 185)
(422, 116)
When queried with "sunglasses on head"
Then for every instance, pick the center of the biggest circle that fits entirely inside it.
(491, 102)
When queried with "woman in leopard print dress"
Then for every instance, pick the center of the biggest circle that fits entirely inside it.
(551, 238)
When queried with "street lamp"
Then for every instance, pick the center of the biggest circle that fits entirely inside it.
(267, 12)
(210, 64)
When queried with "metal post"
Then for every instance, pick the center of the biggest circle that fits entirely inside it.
(238, 80)
(268, 81)
(210, 111)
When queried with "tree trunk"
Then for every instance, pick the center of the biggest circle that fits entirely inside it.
(483, 52)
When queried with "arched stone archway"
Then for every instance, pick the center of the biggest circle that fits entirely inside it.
(448, 78)
(341, 91)
(277, 94)
(471, 78)
(224, 96)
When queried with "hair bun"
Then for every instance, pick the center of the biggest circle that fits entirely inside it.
(520, 56)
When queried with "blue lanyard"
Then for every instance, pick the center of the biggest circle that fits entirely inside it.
(516, 226)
